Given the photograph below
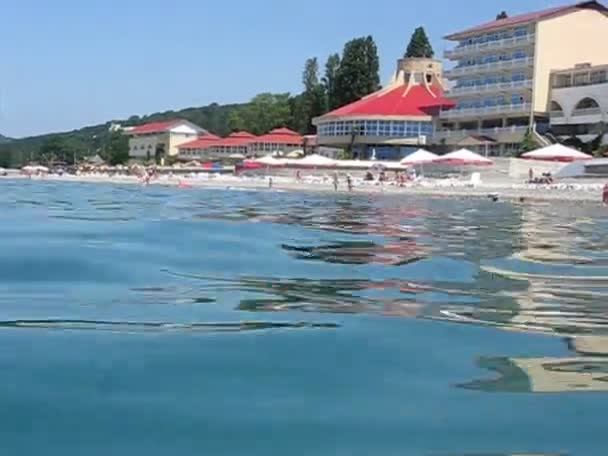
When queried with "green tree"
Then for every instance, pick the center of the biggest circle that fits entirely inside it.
(358, 73)
(263, 113)
(116, 151)
(528, 143)
(420, 46)
(57, 149)
(502, 15)
(312, 102)
(332, 67)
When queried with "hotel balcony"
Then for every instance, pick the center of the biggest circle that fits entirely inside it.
(578, 117)
(490, 132)
(476, 48)
(485, 111)
(490, 88)
(489, 67)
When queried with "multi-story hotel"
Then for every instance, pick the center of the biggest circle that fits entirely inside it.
(501, 77)
(579, 102)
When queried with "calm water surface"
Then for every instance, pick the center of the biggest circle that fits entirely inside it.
(161, 321)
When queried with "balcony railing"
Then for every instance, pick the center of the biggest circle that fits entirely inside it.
(489, 67)
(486, 110)
(446, 134)
(557, 114)
(489, 88)
(587, 112)
(460, 51)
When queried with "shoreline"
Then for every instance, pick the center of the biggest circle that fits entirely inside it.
(507, 192)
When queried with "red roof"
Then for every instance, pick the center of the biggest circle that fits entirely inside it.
(283, 131)
(280, 136)
(154, 127)
(530, 17)
(201, 142)
(403, 100)
(242, 134)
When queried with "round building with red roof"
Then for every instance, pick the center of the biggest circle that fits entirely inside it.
(393, 121)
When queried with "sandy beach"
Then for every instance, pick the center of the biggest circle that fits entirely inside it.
(588, 191)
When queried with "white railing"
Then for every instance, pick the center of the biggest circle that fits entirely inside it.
(489, 67)
(486, 88)
(486, 110)
(587, 112)
(445, 134)
(489, 45)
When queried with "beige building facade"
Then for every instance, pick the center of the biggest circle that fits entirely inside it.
(502, 72)
(160, 140)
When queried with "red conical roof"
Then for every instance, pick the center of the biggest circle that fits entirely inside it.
(403, 100)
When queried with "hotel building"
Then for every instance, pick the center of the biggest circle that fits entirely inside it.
(501, 76)
(393, 121)
(161, 139)
(579, 102)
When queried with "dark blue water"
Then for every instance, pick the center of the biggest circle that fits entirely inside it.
(161, 321)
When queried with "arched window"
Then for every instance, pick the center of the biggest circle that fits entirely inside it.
(587, 103)
(556, 107)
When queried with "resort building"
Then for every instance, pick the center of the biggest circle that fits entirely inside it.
(209, 146)
(393, 121)
(242, 144)
(579, 102)
(502, 72)
(282, 140)
(158, 140)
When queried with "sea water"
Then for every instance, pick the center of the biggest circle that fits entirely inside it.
(156, 321)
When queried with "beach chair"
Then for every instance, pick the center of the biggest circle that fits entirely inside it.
(475, 180)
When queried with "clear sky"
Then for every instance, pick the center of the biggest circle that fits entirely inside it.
(65, 64)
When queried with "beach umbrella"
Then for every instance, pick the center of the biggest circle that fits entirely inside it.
(556, 152)
(314, 160)
(295, 153)
(420, 157)
(464, 157)
(269, 160)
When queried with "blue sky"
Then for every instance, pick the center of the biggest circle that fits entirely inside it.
(70, 63)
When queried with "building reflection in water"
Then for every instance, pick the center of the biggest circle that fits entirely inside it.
(587, 372)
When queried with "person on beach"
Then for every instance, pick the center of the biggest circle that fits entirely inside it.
(605, 195)
(531, 175)
(335, 181)
(298, 176)
(270, 182)
(349, 182)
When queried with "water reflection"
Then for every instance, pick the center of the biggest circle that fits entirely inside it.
(129, 326)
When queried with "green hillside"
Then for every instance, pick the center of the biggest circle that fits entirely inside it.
(92, 139)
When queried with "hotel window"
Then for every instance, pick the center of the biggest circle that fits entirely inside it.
(598, 77)
(518, 76)
(520, 31)
(517, 99)
(520, 54)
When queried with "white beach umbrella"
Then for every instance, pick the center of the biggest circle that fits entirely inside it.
(420, 157)
(464, 157)
(556, 152)
(269, 160)
(314, 160)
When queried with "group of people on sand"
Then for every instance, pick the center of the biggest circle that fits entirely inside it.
(543, 179)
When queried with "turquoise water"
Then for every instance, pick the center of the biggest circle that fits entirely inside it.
(153, 321)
